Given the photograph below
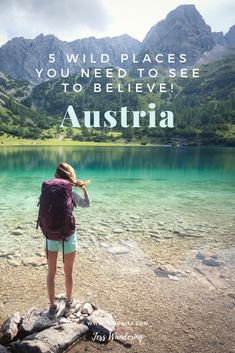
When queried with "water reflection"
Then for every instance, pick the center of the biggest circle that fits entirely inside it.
(13, 159)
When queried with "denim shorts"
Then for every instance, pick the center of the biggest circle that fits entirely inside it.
(70, 245)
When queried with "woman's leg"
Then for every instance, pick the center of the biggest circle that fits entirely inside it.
(68, 272)
(51, 261)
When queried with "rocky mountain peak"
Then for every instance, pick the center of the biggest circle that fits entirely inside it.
(183, 31)
(230, 36)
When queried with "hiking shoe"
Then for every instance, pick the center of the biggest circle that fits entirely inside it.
(70, 304)
(53, 309)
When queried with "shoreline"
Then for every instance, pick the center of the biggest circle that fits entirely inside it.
(190, 312)
(70, 143)
(15, 142)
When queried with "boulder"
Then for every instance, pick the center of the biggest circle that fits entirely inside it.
(10, 328)
(34, 321)
(86, 309)
(36, 333)
(100, 324)
(52, 340)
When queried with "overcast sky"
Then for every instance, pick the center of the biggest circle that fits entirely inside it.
(73, 19)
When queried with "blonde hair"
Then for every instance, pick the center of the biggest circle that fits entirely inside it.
(65, 171)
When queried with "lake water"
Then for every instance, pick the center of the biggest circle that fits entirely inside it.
(152, 195)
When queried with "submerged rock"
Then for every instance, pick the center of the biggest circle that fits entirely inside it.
(173, 278)
(166, 271)
(14, 263)
(212, 262)
(203, 254)
(209, 258)
(118, 250)
(118, 231)
(231, 295)
(34, 261)
(17, 232)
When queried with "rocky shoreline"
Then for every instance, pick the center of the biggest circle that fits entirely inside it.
(193, 299)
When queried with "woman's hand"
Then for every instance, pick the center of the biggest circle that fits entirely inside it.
(82, 184)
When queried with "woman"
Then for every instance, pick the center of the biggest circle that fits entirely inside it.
(69, 247)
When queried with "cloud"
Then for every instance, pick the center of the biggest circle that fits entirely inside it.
(73, 19)
(65, 18)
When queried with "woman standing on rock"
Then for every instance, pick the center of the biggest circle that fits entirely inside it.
(57, 202)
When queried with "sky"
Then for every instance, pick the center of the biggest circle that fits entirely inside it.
(73, 19)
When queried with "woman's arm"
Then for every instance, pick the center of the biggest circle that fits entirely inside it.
(82, 202)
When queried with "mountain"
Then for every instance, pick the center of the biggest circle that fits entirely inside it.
(204, 108)
(227, 40)
(15, 117)
(183, 31)
(219, 38)
(230, 36)
(20, 57)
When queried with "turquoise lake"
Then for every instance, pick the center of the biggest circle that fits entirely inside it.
(149, 194)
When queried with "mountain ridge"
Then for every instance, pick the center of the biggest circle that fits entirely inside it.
(183, 29)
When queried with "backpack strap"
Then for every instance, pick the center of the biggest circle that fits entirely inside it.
(63, 249)
(47, 247)
(38, 220)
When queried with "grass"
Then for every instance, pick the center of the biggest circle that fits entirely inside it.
(15, 141)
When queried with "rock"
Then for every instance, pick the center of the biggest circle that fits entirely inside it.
(231, 295)
(54, 339)
(10, 328)
(3, 349)
(129, 243)
(36, 333)
(155, 235)
(230, 36)
(118, 231)
(31, 52)
(17, 232)
(212, 262)
(34, 261)
(14, 263)
(203, 254)
(86, 309)
(61, 309)
(118, 250)
(166, 270)
(100, 323)
(6, 254)
(37, 320)
(173, 278)
(40, 254)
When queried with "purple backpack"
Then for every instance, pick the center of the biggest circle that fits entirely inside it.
(55, 216)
